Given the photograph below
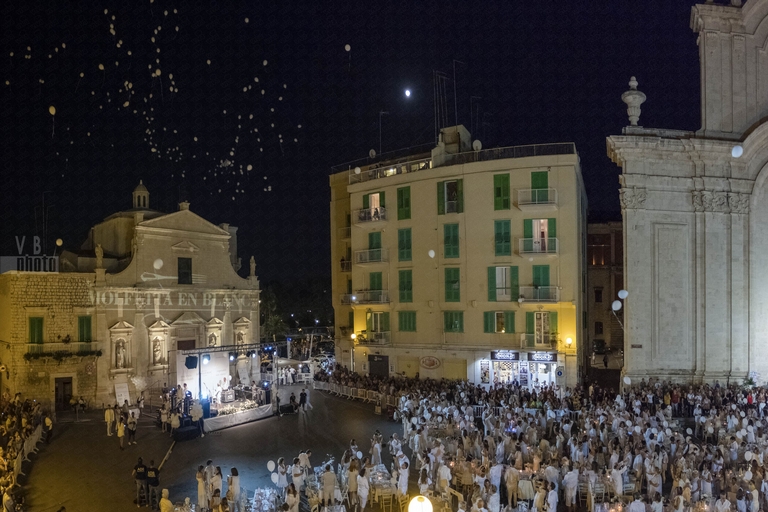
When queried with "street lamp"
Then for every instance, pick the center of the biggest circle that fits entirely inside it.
(568, 341)
(420, 504)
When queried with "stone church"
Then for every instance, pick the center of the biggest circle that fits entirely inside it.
(142, 286)
(695, 214)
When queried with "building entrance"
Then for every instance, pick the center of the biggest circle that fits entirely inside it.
(63, 393)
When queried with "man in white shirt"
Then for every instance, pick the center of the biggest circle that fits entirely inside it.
(552, 498)
(571, 484)
(402, 480)
(637, 505)
(722, 505)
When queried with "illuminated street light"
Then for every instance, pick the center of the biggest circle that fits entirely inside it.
(420, 504)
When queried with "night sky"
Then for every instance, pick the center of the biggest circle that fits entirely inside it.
(247, 106)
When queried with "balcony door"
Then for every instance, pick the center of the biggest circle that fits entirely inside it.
(540, 186)
(374, 246)
(541, 327)
(540, 235)
(540, 275)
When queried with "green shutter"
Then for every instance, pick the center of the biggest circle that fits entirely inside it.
(452, 285)
(528, 228)
(406, 285)
(368, 321)
(451, 240)
(540, 180)
(374, 279)
(404, 244)
(406, 321)
(385, 321)
(552, 228)
(366, 203)
(351, 320)
(503, 244)
(489, 321)
(460, 317)
(529, 322)
(349, 286)
(374, 240)
(491, 284)
(540, 275)
(441, 198)
(459, 196)
(514, 283)
(509, 322)
(381, 200)
(553, 322)
(84, 329)
(404, 203)
(501, 192)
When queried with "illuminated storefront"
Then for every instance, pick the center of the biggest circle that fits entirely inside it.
(526, 368)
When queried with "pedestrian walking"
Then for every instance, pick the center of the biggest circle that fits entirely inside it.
(139, 473)
(306, 391)
(303, 400)
(233, 490)
(132, 423)
(605, 360)
(153, 482)
(121, 431)
(109, 419)
(48, 422)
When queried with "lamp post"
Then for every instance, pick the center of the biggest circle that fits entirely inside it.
(420, 504)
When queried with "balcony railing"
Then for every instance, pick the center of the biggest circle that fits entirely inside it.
(346, 298)
(371, 256)
(370, 214)
(537, 197)
(345, 233)
(383, 170)
(538, 245)
(542, 341)
(65, 348)
(371, 297)
(346, 266)
(373, 338)
(562, 148)
(451, 206)
(540, 293)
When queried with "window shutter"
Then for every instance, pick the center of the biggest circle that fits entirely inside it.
(374, 279)
(529, 322)
(552, 228)
(501, 192)
(441, 198)
(407, 203)
(514, 283)
(385, 321)
(553, 322)
(381, 200)
(366, 203)
(351, 320)
(509, 322)
(491, 284)
(528, 228)
(488, 321)
(459, 196)
(460, 318)
(539, 180)
(374, 240)
(368, 321)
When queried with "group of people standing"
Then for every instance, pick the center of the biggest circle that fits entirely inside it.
(121, 421)
(210, 491)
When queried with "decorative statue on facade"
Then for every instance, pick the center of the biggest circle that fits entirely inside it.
(157, 354)
(212, 340)
(240, 339)
(253, 267)
(99, 256)
(120, 355)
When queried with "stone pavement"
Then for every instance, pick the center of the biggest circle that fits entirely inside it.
(85, 470)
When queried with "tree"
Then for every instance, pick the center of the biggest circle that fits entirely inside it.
(272, 322)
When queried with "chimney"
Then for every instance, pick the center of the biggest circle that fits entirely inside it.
(184, 205)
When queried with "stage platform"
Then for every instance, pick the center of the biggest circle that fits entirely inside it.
(225, 420)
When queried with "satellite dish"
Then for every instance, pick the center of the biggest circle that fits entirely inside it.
(357, 169)
(477, 145)
(372, 153)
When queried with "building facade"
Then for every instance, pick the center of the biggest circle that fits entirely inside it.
(695, 206)
(143, 286)
(605, 277)
(461, 263)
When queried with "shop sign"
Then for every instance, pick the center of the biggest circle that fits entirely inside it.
(542, 357)
(430, 362)
(505, 355)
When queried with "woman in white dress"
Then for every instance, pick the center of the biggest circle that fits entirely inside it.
(297, 473)
(233, 490)
(216, 481)
(282, 476)
(363, 488)
(292, 498)
(200, 477)
(375, 452)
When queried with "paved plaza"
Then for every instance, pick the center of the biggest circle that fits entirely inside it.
(85, 470)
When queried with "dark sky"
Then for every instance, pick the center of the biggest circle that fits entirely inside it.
(545, 72)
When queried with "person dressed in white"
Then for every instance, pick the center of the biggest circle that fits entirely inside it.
(722, 505)
(552, 497)
(363, 488)
(375, 452)
(617, 477)
(402, 480)
(297, 474)
(571, 484)
(233, 491)
(637, 505)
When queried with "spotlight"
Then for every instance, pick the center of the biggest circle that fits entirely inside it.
(253, 355)
(206, 358)
(231, 356)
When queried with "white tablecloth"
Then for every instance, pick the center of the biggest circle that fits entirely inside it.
(230, 420)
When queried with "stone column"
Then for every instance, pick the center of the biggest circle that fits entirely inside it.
(140, 341)
(227, 336)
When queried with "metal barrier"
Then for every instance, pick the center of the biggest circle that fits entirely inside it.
(17, 470)
(361, 393)
(372, 396)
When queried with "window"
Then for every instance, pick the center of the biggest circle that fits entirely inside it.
(540, 275)
(374, 246)
(450, 197)
(539, 326)
(499, 321)
(451, 240)
(377, 321)
(539, 235)
(404, 244)
(501, 230)
(373, 207)
(503, 284)
(35, 329)
(404, 203)
(540, 186)
(406, 286)
(501, 192)
(406, 321)
(185, 270)
(598, 327)
(374, 281)
(84, 329)
(452, 285)
(598, 295)
(453, 321)
(351, 321)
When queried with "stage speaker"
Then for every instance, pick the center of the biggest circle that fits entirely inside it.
(206, 408)
(186, 433)
(191, 362)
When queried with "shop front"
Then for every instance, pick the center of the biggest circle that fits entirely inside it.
(529, 369)
(542, 368)
(505, 366)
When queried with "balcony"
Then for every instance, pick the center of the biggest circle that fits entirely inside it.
(545, 341)
(346, 298)
(537, 199)
(345, 233)
(383, 170)
(371, 256)
(540, 293)
(559, 148)
(346, 266)
(534, 246)
(451, 207)
(371, 297)
(373, 338)
(364, 215)
(65, 349)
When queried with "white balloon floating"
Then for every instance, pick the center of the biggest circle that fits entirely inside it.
(158, 264)
(360, 455)
(414, 420)
(748, 475)
(509, 415)
(688, 431)
(627, 381)
(737, 151)
(432, 255)
(274, 478)
(748, 455)
(271, 466)
(623, 294)
(711, 430)
(347, 47)
(463, 394)
(637, 428)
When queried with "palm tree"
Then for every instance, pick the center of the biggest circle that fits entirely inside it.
(272, 323)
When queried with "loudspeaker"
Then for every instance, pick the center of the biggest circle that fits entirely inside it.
(186, 433)
(191, 362)
(206, 408)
